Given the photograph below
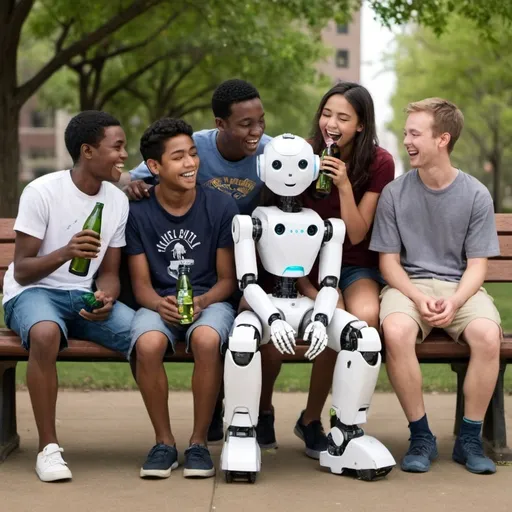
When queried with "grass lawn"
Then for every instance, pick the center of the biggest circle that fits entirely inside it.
(294, 377)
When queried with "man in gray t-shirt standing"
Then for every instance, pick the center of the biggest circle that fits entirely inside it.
(435, 229)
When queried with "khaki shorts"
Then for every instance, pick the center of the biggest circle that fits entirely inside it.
(480, 305)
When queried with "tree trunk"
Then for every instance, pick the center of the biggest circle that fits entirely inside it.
(496, 175)
(9, 149)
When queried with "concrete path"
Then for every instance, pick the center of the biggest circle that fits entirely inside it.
(106, 436)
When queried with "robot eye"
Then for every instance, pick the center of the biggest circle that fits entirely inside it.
(312, 230)
(276, 164)
(279, 229)
(303, 164)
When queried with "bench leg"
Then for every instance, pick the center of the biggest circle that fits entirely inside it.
(494, 431)
(9, 438)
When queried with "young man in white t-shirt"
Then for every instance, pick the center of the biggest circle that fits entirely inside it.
(42, 299)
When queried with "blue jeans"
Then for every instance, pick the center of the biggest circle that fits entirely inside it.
(352, 273)
(62, 307)
(219, 316)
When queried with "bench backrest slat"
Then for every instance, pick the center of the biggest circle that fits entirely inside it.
(500, 269)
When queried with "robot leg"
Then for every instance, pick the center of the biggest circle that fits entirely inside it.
(355, 378)
(241, 455)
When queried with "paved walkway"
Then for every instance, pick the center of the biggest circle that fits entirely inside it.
(106, 436)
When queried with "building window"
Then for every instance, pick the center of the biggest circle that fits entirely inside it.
(42, 119)
(342, 29)
(342, 58)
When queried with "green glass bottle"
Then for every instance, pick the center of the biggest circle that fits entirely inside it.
(185, 295)
(80, 266)
(324, 182)
(90, 302)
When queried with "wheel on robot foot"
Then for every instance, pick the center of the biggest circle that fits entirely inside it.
(373, 474)
(249, 476)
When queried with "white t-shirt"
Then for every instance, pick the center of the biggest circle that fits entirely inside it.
(53, 209)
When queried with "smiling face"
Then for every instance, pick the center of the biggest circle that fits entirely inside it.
(243, 129)
(424, 148)
(179, 164)
(338, 121)
(106, 160)
(288, 165)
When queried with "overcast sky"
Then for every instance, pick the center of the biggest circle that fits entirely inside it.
(374, 40)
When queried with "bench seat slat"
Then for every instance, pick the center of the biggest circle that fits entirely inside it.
(437, 347)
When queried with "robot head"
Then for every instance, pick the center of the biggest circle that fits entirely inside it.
(288, 165)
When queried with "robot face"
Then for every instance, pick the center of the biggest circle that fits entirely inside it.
(288, 165)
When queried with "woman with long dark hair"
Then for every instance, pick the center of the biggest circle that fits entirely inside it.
(345, 115)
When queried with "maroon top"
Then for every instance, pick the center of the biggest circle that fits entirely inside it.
(382, 171)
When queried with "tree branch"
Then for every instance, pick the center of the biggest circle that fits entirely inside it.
(195, 108)
(136, 74)
(135, 46)
(60, 59)
(64, 34)
(17, 18)
(200, 56)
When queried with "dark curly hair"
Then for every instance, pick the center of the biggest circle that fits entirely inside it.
(365, 142)
(229, 92)
(88, 127)
(152, 142)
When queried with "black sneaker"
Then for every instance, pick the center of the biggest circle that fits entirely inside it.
(313, 436)
(161, 460)
(265, 433)
(198, 462)
(216, 428)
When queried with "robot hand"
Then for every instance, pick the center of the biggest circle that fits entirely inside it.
(282, 336)
(317, 335)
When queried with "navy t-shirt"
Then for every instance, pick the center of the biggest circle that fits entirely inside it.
(192, 239)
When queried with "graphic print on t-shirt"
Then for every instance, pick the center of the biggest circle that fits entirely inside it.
(237, 188)
(176, 243)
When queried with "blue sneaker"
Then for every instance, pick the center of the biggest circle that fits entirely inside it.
(422, 451)
(198, 462)
(313, 436)
(161, 460)
(469, 451)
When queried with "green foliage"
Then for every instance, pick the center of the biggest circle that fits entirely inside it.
(472, 72)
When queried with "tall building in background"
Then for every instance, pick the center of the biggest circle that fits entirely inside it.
(344, 63)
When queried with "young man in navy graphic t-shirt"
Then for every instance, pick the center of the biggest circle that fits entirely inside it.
(179, 223)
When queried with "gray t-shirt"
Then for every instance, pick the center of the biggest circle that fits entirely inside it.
(435, 231)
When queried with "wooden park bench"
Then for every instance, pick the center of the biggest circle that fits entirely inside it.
(437, 348)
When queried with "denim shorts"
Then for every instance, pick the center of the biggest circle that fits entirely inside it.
(62, 307)
(219, 316)
(352, 273)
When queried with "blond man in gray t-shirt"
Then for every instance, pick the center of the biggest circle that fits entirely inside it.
(434, 229)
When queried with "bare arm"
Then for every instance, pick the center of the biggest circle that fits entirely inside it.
(357, 218)
(124, 180)
(226, 278)
(471, 281)
(29, 268)
(305, 287)
(108, 273)
(397, 277)
(140, 275)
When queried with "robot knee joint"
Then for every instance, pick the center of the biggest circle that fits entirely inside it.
(243, 343)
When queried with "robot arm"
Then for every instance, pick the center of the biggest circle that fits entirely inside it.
(245, 231)
(328, 276)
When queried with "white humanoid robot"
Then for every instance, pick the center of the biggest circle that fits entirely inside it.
(288, 239)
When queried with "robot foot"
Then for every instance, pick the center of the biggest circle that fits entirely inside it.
(351, 451)
(241, 455)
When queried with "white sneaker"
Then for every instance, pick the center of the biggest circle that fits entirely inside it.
(50, 465)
